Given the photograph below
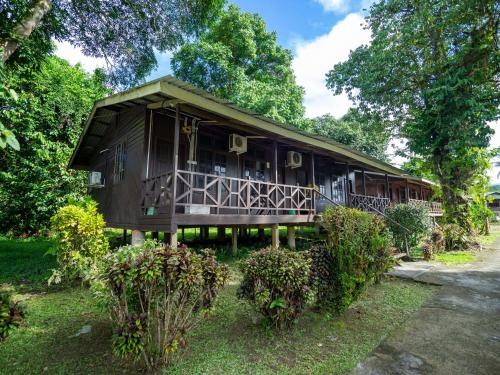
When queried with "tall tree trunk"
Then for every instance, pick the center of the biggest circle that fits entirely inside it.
(25, 27)
(454, 195)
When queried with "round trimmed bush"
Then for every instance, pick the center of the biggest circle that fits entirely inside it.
(275, 281)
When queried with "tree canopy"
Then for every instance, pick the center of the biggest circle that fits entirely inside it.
(125, 33)
(432, 71)
(47, 119)
(360, 132)
(239, 60)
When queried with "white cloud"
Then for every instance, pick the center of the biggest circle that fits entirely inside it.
(313, 59)
(332, 5)
(74, 55)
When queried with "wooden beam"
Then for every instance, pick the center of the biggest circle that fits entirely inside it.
(165, 103)
(363, 181)
(347, 187)
(175, 161)
(387, 187)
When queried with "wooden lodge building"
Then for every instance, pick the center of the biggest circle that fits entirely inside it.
(167, 155)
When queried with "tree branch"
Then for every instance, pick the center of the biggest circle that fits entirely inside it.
(25, 27)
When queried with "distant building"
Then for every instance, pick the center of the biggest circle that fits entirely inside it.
(494, 202)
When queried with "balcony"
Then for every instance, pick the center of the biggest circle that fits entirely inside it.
(207, 194)
(368, 203)
(435, 208)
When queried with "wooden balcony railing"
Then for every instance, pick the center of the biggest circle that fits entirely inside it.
(211, 194)
(434, 208)
(369, 203)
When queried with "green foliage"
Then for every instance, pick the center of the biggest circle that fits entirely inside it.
(239, 60)
(47, 119)
(11, 314)
(275, 281)
(431, 70)
(157, 296)
(7, 137)
(455, 237)
(415, 218)
(125, 34)
(356, 252)
(79, 231)
(363, 133)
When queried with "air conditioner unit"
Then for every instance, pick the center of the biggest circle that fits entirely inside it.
(95, 179)
(237, 143)
(294, 159)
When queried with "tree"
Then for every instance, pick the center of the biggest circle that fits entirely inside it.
(47, 119)
(431, 69)
(125, 33)
(239, 60)
(355, 130)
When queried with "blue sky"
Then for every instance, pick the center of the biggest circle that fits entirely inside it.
(320, 33)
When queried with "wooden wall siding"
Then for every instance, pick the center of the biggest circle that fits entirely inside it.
(120, 202)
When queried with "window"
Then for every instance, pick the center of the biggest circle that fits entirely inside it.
(321, 187)
(220, 164)
(120, 159)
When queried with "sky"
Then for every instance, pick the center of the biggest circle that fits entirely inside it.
(320, 33)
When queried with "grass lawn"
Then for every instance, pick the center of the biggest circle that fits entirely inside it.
(232, 341)
(456, 257)
(492, 237)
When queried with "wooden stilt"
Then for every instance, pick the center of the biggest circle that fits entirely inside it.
(234, 238)
(290, 232)
(221, 234)
(154, 235)
(124, 238)
(262, 235)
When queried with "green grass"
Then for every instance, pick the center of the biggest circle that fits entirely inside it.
(23, 264)
(232, 341)
(456, 257)
(492, 237)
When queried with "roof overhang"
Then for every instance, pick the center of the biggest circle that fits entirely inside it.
(167, 88)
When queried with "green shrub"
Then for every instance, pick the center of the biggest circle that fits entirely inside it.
(414, 217)
(455, 237)
(428, 250)
(437, 240)
(356, 252)
(11, 314)
(157, 296)
(79, 231)
(275, 281)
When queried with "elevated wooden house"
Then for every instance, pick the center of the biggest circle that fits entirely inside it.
(166, 155)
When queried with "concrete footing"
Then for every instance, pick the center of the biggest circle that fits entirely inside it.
(138, 237)
(275, 236)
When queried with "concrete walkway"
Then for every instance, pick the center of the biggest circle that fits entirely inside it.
(456, 332)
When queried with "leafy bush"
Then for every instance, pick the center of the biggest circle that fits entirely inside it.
(11, 314)
(79, 231)
(157, 296)
(414, 217)
(455, 237)
(437, 240)
(357, 252)
(275, 281)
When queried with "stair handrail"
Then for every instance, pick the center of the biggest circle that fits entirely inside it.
(405, 230)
